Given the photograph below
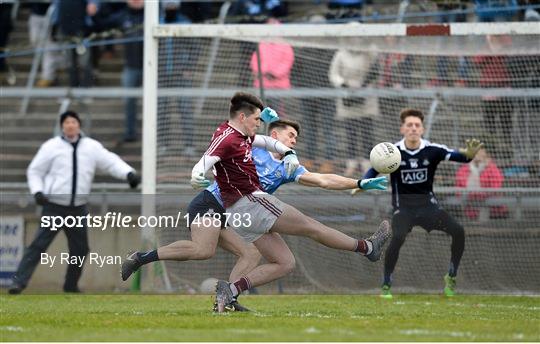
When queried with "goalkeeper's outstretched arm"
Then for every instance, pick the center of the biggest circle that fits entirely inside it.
(371, 173)
(472, 146)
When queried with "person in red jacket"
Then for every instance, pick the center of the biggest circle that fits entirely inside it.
(482, 172)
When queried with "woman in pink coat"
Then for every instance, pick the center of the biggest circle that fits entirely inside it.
(277, 59)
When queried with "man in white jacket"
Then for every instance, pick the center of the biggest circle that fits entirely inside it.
(60, 178)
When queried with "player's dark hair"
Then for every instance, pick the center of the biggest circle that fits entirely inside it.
(411, 113)
(244, 102)
(283, 124)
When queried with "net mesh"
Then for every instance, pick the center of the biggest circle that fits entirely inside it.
(347, 94)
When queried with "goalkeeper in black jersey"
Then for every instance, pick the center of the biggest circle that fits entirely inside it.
(413, 199)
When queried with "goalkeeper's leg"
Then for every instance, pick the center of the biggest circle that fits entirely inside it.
(438, 219)
(402, 223)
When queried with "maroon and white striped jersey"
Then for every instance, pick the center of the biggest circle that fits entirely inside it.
(235, 173)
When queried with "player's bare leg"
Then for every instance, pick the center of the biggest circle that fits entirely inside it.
(281, 260)
(202, 245)
(280, 263)
(294, 222)
(248, 255)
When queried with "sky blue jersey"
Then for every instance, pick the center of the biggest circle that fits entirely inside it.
(271, 173)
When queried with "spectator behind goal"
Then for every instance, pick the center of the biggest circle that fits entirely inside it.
(482, 172)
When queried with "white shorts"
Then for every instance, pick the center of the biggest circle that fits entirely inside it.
(257, 213)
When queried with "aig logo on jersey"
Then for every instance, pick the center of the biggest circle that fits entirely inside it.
(414, 176)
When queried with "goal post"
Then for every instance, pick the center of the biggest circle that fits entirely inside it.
(346, 84)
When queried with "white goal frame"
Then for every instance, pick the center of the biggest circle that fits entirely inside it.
(153, 31)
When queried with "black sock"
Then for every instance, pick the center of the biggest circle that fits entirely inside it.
(452, 271)
(147, 257)
(387, 279)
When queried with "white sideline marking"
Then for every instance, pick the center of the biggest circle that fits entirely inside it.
(526, 308)
(311, 330)
(310, 315)
(12, 328)
(242, 331)
(261, 315)
(518, 336)
(438, 333)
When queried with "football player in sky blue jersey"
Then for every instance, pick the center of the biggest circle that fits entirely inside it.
(271, 172)
(412, 195)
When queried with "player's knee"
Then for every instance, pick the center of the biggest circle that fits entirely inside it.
(205, 252)
(288, 264)
(251, 253)
(314, 232)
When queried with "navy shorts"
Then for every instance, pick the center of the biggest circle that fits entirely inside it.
(206, 204)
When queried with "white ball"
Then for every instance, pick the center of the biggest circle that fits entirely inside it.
(208, 286)
(385, 157)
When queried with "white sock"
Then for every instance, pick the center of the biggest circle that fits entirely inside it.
(234, 289)
(369, 247)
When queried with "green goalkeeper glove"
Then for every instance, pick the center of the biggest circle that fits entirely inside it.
(472, 147)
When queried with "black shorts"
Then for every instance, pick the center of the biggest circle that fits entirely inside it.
(206, 204)
(430, 218)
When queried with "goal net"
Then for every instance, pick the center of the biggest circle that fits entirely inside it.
(345, 85)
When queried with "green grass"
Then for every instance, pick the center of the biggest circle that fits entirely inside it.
(278, 318)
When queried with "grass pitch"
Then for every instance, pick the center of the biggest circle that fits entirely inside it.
(277, 318)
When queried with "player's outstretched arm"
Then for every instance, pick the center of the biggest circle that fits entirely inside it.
(337, 182)
(270, 144)
(472, 146)
(371, 174)
(198, 173)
